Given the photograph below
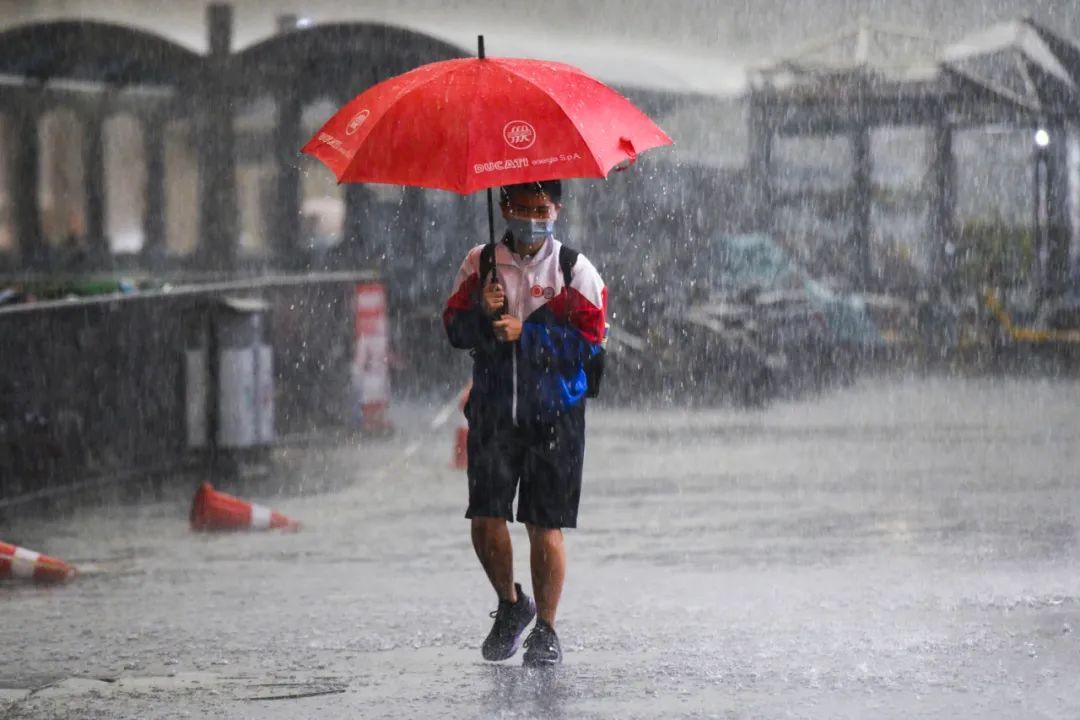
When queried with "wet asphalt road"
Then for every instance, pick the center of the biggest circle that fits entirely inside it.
(899, 549)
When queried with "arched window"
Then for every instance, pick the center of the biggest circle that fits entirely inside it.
(125, 184)
(7, 224)
(181, 189)
(61, 180)
(322, 200)
(255, 173)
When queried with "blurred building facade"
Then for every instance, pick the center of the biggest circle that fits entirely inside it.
(158, 136)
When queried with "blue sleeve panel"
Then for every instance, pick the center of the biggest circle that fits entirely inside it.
(554, 356)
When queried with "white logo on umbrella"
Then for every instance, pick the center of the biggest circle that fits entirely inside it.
(519, 134)
(357, 120)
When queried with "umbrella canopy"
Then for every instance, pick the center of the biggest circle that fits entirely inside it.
(470, 124)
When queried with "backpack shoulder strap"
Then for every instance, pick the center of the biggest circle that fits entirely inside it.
(567, 259)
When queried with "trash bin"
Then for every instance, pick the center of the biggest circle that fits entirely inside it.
(245, 412)
(229, 376)
(196, 378)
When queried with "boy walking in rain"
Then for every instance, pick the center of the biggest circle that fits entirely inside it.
(532, 313)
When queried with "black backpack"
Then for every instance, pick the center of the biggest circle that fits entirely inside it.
(594, 365)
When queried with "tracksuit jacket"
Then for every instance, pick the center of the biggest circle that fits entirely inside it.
(540, 376)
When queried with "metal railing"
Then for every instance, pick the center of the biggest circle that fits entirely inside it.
(92, 387)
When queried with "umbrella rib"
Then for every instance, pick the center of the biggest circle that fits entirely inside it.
(468, 131)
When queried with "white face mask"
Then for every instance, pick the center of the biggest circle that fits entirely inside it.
(530, 231)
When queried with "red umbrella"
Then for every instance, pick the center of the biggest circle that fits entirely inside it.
(475, 123)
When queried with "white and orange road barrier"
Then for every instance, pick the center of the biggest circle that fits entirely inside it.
(371, 361)
(213, 510)
(17, 562)
(460, 457)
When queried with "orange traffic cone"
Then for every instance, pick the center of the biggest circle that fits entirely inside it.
(17, 562)
(371, 359)
(374, 419)
(213, 510)
(460, 459)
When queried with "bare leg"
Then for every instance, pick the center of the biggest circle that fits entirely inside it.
(491, 540)
(547, 557)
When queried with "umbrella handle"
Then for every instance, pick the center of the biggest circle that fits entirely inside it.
(490, 211)
(501, 311)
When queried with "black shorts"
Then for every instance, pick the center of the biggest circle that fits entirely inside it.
(545, 459)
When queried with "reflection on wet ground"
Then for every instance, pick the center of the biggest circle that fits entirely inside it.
(902, 548)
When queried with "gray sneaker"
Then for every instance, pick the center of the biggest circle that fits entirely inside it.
(511, 619)
(542, 646)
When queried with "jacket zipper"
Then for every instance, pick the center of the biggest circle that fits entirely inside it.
(513, 356)
(513, 406)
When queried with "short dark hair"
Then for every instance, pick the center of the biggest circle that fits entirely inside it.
(551, 188)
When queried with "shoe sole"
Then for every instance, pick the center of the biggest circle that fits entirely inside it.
(513, 650)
